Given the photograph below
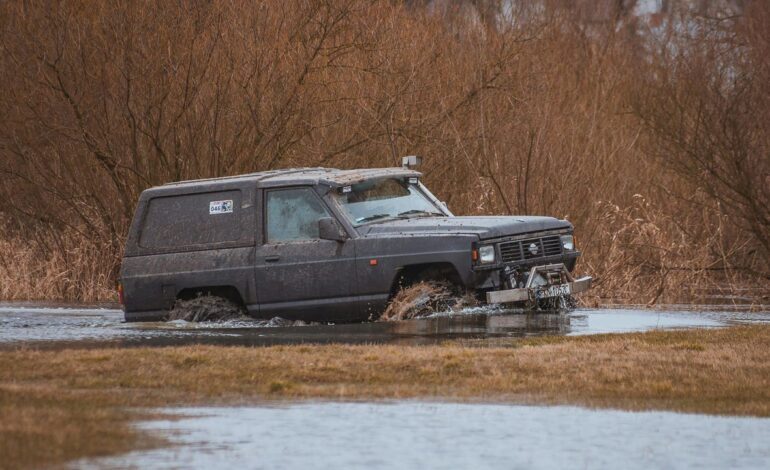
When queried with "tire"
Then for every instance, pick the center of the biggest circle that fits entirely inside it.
(206, 308)
(425, 298)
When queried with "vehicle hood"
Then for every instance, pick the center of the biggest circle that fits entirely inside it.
(483, 227)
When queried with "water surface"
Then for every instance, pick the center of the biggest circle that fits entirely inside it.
(418, 435)
(52, 326)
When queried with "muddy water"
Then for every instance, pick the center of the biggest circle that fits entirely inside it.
(58, 326)
(414, 435)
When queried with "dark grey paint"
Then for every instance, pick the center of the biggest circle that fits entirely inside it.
(483, 227)
(318, 280)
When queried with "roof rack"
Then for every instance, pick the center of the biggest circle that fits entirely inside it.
(261, 175)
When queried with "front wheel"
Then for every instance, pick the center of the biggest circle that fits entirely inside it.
(425, 298)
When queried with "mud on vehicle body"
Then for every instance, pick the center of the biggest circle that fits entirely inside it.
(330, 245)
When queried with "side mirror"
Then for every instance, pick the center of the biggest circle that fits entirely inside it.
(330, 229)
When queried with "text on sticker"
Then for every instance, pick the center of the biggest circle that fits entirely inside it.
(221, 207)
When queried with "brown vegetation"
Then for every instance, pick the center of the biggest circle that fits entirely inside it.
(649, 133)
(58, 405)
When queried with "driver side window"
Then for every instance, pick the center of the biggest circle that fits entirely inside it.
(293, 214)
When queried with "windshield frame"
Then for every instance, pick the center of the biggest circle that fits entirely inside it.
(436, 207)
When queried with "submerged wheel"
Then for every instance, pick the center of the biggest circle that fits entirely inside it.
(206, 308)
(425, 296)
(417, 300)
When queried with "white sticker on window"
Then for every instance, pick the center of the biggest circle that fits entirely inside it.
(221, 207)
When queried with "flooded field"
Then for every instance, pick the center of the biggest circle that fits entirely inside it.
(58, 326)
(415, 435)
(712, 370)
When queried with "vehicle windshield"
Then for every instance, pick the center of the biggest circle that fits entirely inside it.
(385, 199)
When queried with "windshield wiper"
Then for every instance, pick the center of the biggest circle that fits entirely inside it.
(418, 211)
(373, 217)
(402, 215)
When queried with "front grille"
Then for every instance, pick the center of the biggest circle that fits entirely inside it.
(519, 250)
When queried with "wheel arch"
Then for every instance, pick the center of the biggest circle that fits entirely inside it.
(436, 271)
(228, 292)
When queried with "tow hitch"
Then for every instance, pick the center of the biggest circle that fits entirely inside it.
(543, 282)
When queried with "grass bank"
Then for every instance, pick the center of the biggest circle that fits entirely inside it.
(60, 405)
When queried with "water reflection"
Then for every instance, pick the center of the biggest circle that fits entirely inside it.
(55, 327)
(470, 325)
(413, 435)
(432, 330)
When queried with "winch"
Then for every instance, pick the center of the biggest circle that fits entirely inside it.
(540, 282)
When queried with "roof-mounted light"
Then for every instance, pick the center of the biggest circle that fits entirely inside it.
(411, 161)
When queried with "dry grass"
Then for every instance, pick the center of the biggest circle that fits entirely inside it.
(71, 269)
(41, 425)
(57, 405)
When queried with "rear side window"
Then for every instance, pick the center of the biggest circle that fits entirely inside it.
(192, 220)
(293, 214)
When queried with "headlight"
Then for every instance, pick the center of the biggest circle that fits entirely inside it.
(487, 254)
(568, 242)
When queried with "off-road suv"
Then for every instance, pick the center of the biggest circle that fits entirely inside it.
(330, 245)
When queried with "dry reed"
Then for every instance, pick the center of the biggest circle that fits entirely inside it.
(650, 133)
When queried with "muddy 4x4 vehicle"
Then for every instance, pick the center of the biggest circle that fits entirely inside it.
(329, 245)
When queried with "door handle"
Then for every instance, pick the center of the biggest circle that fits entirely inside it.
(272, 259)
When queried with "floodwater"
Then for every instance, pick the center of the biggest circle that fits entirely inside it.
(419, 435)
(409, 434)
(59, 326)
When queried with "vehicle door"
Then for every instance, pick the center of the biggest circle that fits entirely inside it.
(299, 275)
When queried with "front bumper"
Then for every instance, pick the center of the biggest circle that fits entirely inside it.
(543, 282)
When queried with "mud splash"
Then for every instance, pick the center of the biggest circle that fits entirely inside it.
(206, 309)
(425, 299)
(429, 299)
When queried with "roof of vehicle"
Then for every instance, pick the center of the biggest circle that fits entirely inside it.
(301, 176)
